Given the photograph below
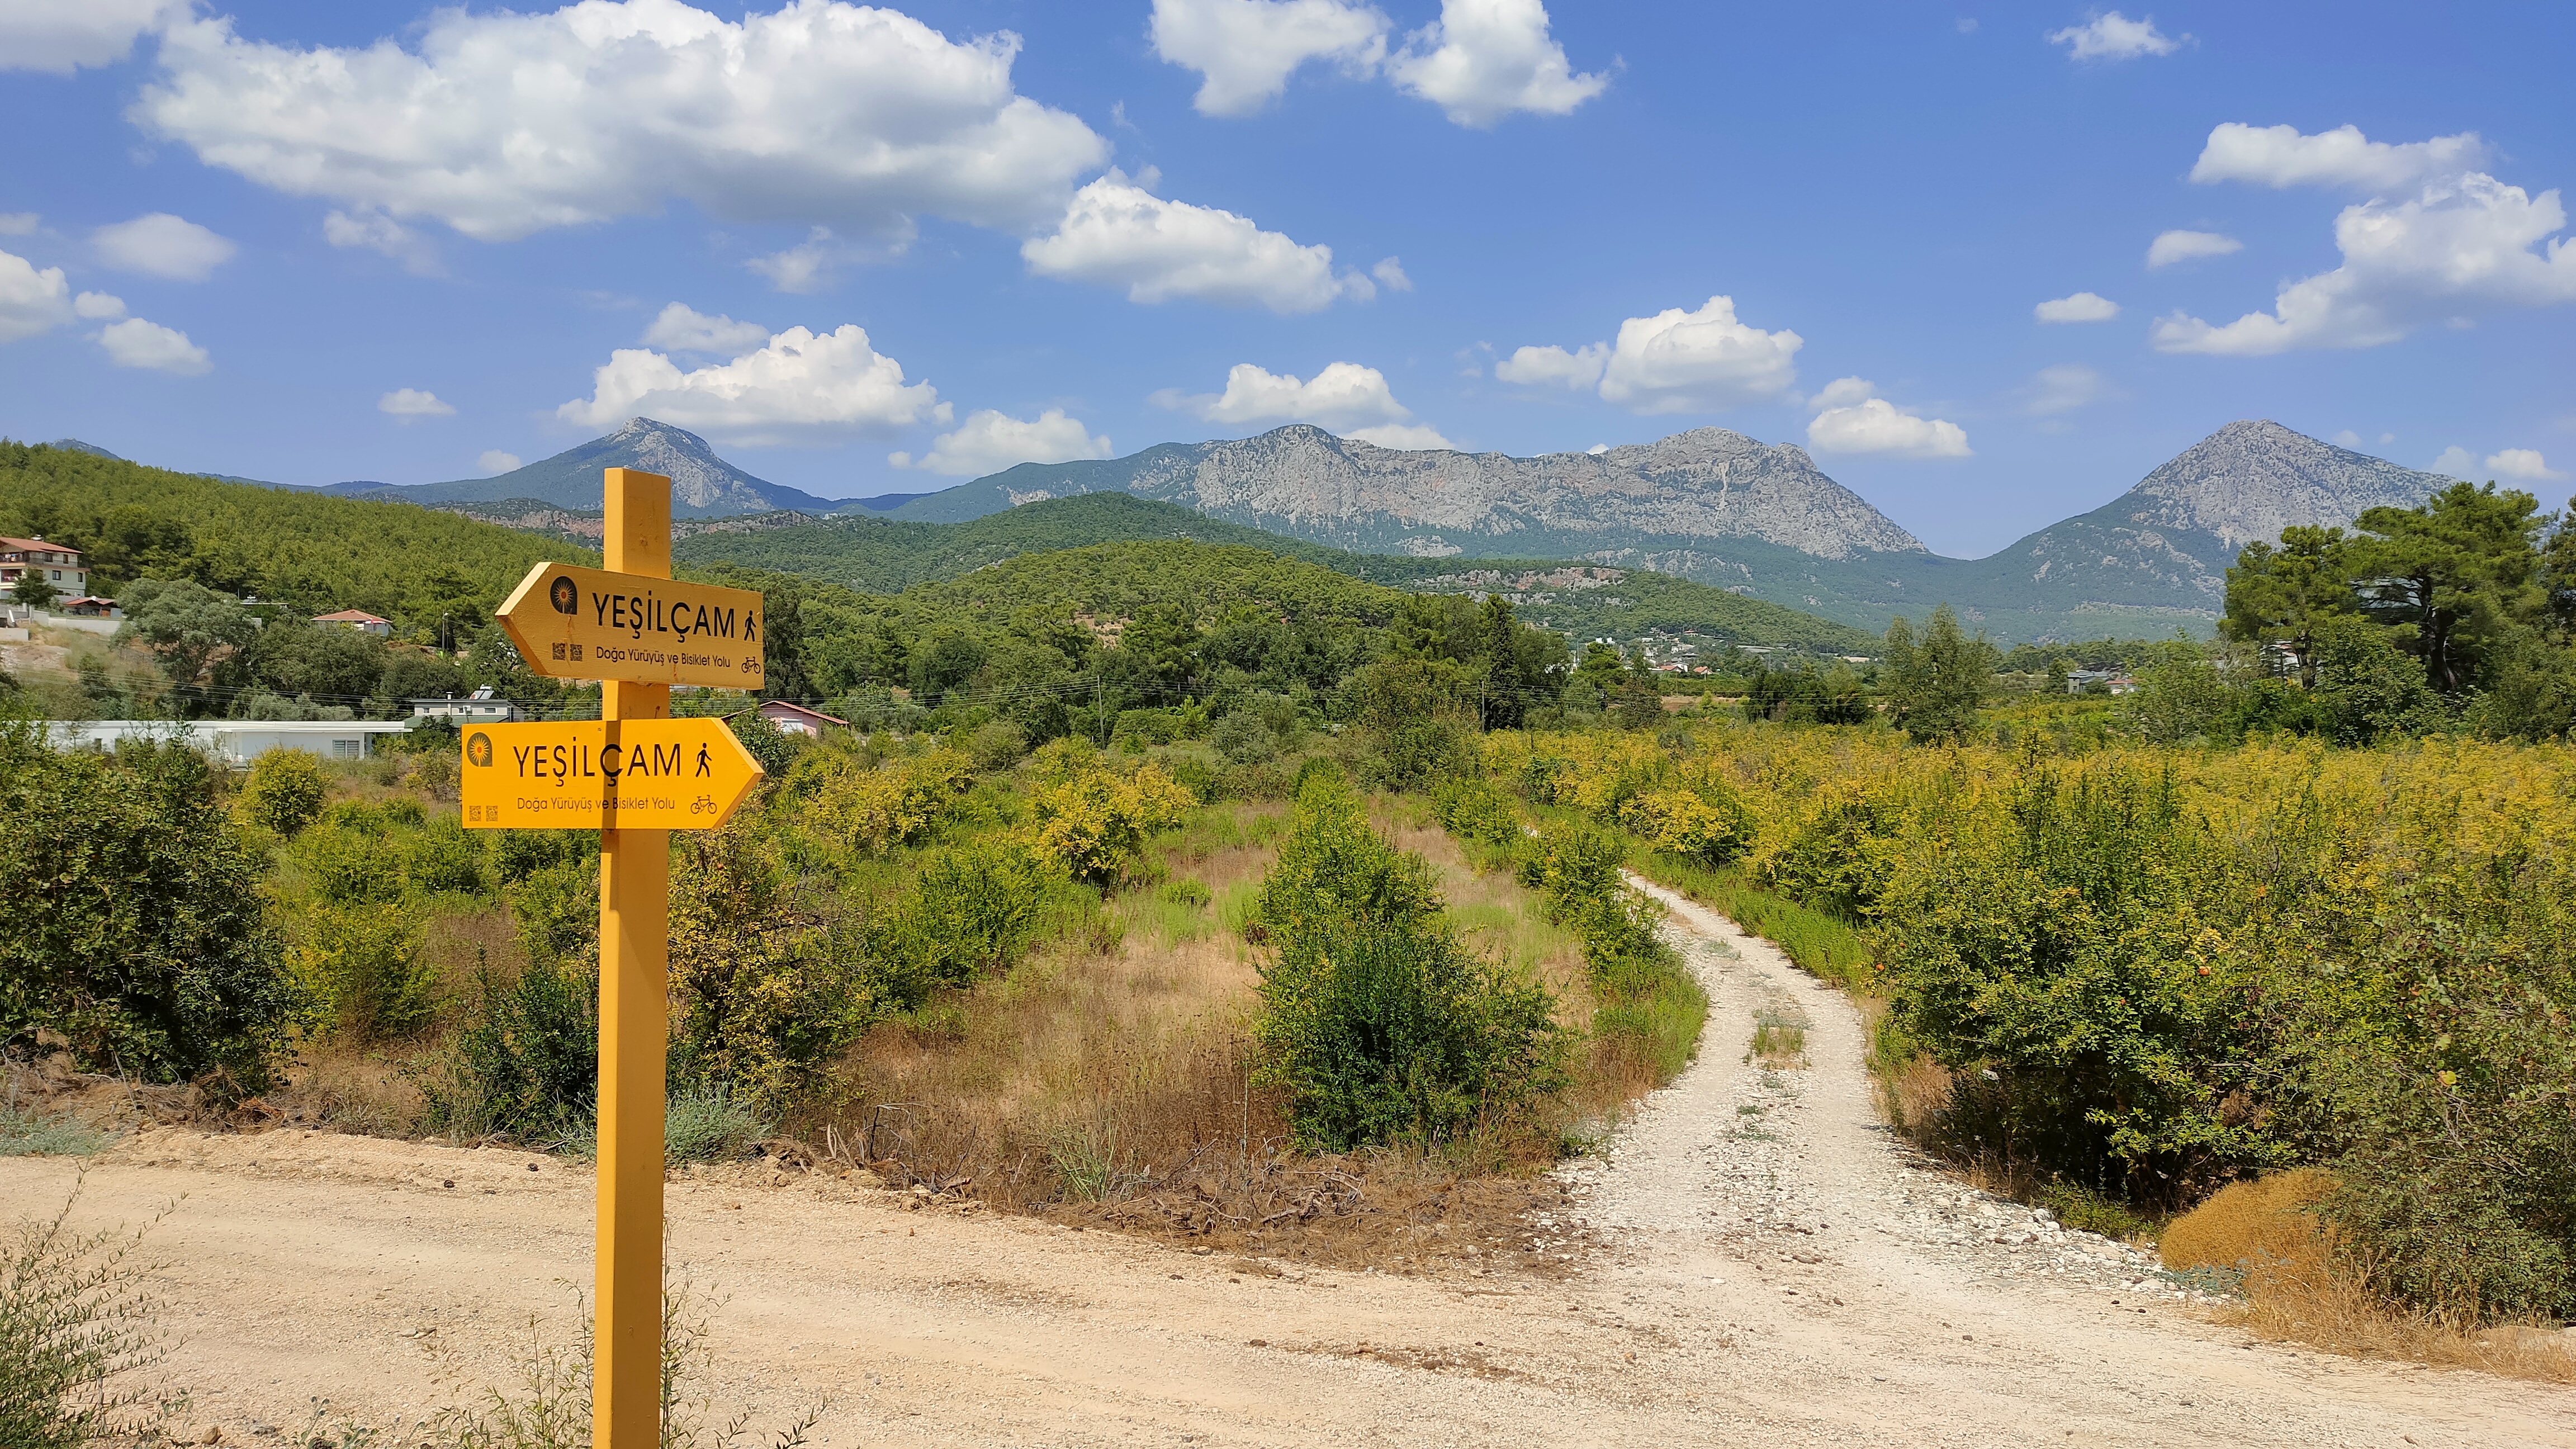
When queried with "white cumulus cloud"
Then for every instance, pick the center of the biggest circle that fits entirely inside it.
(2280, 156)
(2522, 465)
(408, 403)
(1343, 398)
(990, 441)
(98, 306)
(2081, 307)
(2183, 246)
(2114, 36)
(153, 347)
(1118, 234)
(162, 245)
(1852, 418)
(1677, 361)
(801, 387)
(501, 124)
(31, 301)
(2456, 461)
(1553, 366)
(2460, 249)
(2346, 439)
(62, 35)
(19, 223)
(369, 230)
(1482, 60)
(1245, 50)
(682, 328)
(496, 461)
(1390, 274)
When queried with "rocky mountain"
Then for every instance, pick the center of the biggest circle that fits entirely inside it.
(2169, 540)
(1687, 491)
(702, 484)
(1720, 508)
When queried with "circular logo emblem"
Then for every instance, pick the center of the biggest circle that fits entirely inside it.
(478, 750)
(567, 599)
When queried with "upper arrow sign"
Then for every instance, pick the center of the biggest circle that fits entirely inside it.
(588, 624)
(632, 774)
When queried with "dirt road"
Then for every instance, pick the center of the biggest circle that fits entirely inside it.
(1766, 1269)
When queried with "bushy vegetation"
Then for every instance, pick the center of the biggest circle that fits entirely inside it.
(138, 935)
(1377, 1021)
(2153, 972)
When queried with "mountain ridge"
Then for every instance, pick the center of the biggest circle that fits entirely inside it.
(702, 484)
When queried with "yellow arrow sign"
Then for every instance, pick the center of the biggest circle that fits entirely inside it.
(630, 774)
(576, 623)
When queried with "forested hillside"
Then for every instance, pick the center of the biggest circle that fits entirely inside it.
(309, 552)
(878, 555)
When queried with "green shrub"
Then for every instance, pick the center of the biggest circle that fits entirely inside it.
(28, 1132)
(969, 913)
(284, 792)
(1332, 866)
(764, 996)
(1244, 738)
(2056, 958)
(444, 857)
(526, 1060)
(352, 857)
(1472, 809)
(556, 910)
(1377, 1022)
(708, 1124)
(1397, 1031)
(2456, 1180)
(76, 1330)
(139, 933)
(363, 974)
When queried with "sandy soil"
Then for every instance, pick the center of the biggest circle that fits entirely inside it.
(1754, 1262)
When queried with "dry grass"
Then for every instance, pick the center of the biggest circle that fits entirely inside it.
(2298, 1286)
(1109, 1081)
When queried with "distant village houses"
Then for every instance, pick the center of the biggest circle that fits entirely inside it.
(358, 619)
(58, 564)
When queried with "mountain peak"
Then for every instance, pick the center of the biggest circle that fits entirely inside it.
(1679, 493)
(2252, 478)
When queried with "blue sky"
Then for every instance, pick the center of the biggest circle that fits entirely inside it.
(310, 242)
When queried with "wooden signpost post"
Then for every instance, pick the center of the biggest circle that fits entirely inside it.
(634, 775)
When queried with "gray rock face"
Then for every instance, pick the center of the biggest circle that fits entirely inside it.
(2249, 480)
(2168, 541)
(1705, 484)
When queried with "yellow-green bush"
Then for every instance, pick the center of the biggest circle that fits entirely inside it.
(284, 792)
(1094, 824)
(871, 811)
(2153, 970)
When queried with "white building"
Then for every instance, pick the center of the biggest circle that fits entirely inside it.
(480, 707)
(233, 741)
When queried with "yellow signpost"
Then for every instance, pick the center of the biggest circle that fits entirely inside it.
(635, 774)
(629, 624)
(663, 774)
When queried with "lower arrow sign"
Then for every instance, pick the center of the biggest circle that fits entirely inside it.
(632, 774)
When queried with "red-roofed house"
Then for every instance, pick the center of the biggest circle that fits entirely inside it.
(358, 619)
(58, 564)
(796, 718)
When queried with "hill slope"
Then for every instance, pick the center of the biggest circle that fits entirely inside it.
(299, 548)
(702, 484)
(885, 556)
(2169, 540)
